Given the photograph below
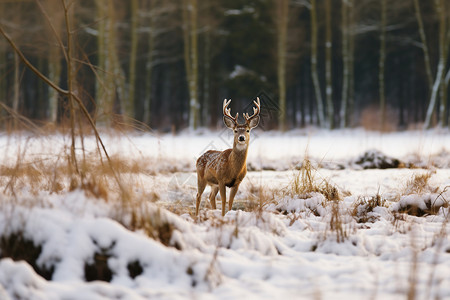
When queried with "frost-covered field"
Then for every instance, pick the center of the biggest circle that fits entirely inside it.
(361, 233)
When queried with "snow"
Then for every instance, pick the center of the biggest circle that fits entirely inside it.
(280, 245)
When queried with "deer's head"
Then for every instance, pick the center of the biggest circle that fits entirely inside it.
(241, 131)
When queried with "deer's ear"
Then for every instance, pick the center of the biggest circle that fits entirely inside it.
(253, 122)
(229, 123)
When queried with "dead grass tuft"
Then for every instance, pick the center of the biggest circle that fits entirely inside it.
(305, 183)
(259, 197)
(336, 224)
(419, 184)
(363, 208)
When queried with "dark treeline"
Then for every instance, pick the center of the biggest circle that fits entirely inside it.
(170, 63)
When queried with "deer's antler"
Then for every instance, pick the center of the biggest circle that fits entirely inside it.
(256, 110)
(227, 111)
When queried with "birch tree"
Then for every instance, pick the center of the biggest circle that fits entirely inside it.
(423, 38)
(343, 114)
(53, 12)
(134, 10)
(381, 65)
(439, 79)
(444, 40)
(110, 80)
(282, 19)
(16, 88)
(2, 67)
(328, 62)
(314, 71)
(149, 62)
(351, 62)
(190, 37)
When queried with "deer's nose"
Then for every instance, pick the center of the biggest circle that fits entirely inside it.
(241, 138)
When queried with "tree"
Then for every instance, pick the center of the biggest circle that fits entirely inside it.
(424, 45)
(282, 19)
(110, 80)
(439, 81)
(328, 61)
(444, 40)
(345, 64)
(314, 73)
(149, 63)
(53, 12)
(190, 8)
(381, 65)
(134, 9)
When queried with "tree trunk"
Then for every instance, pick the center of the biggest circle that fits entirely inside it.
(149, 68)
(110, 81)
(441, 66)
(16, 88)
(130, 105)
(206, 116)
(381, 65)
(423, 38)
(3, 68)
(434, 93)
(443, 52)
(351, 63)
(190, 9)
(103, 94)
(447, 81)
(282, 28)
(54, 74)
(343, 115)
(314, 75)
(328, 62)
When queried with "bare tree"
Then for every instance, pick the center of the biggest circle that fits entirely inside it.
(351, 62)
(110, 78)
(53, 12)
(328, 62)
(424, 45)
(444, 40)
(345, 64)
(381, 65)
(440, 11)
(282, 19)
(149, 64)
(190, 9)
(314, 71)
(134, 10)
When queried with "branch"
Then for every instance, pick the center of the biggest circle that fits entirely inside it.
(30, 66)
(58, 38)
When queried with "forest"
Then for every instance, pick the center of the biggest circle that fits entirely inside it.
(168, 65)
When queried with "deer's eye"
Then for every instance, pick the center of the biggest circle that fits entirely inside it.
(235, 131)
(248, 130)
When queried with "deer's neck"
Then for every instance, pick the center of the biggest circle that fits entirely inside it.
(238, 155)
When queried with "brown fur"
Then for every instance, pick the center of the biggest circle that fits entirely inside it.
(221, 169)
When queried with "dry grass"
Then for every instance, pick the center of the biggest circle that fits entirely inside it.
(114, 180)
(56, 175)
(305, 183)
(259, 196)
(419, 184)
(336, 224)
(363, 208)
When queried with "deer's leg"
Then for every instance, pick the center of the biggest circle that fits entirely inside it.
(223, 196)
(233, 192)
(212, 196)
(201, 184)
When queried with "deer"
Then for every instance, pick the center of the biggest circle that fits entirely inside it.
(222, 169)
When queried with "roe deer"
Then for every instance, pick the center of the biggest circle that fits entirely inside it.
(221, 169)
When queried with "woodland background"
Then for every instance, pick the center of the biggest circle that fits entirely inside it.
(168, 64)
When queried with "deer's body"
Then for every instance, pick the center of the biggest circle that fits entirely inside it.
(221, 169)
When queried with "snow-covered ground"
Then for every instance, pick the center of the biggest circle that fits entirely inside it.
(276, 244)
